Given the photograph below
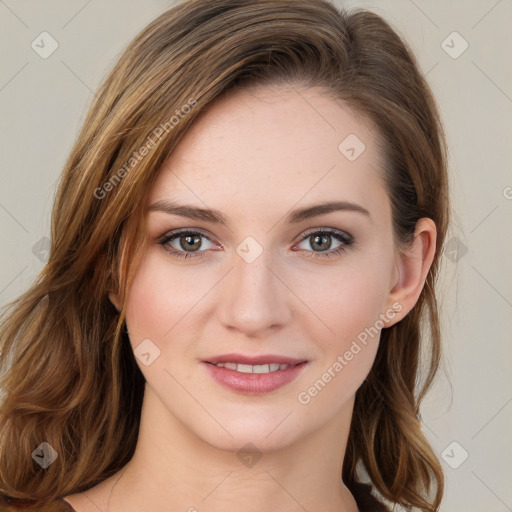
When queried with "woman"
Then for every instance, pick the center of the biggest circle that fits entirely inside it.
(245, 241)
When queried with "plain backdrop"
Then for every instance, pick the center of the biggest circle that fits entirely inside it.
(464, 50)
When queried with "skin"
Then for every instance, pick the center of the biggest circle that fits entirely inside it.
(255, 155)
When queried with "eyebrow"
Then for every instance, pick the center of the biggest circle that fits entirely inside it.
(216, 217)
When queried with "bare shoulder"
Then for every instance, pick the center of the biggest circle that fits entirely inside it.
(82, 502)
(93, 499)
(8, 504)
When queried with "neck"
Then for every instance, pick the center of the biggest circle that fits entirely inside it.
(173, 469)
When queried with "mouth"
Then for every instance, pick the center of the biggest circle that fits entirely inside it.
(261, 360)
(255, 368)
(254, 374)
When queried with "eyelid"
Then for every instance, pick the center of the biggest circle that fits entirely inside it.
(175, 232)
(331, 231)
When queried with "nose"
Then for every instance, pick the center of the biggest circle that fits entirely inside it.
(254, 299)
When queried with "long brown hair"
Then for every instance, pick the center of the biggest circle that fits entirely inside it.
(69, 375)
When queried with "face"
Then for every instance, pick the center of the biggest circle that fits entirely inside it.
(269, 284)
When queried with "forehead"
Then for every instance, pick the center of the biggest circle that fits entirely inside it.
(274, 145)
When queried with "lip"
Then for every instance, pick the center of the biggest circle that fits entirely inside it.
(253, 360)
(255, 383)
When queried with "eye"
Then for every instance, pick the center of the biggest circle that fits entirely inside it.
(185, 243)
(320, 241)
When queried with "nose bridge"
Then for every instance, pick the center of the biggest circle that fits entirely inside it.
(253, 299)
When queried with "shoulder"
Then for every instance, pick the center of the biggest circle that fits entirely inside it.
(8, 504)
(366, 501)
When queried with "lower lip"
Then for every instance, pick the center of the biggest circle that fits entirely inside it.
(254, 383)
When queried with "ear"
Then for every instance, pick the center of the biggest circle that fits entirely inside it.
(115, 300)
(113, 295)
(411, 271)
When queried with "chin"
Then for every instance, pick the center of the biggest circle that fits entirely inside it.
(266, 433)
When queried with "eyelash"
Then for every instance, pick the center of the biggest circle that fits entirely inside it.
(346, 239)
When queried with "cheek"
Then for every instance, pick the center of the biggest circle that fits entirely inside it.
(158, 301)
(345, 300)
(346, 351)
(346, 326)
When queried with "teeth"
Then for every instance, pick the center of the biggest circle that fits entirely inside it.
(244, 368)
(257, 368)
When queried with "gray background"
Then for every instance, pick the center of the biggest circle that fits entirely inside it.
(43, 103)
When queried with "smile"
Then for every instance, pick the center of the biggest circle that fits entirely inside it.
(257, 368)
(254, 379)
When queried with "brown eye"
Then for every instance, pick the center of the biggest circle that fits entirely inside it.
(189, 242)
(321, 241)
(185, 243)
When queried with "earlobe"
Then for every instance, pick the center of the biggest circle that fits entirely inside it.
(412, 267)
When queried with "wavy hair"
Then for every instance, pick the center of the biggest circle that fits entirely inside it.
(69, 376)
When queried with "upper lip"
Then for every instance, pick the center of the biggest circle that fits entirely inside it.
(254, 360)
